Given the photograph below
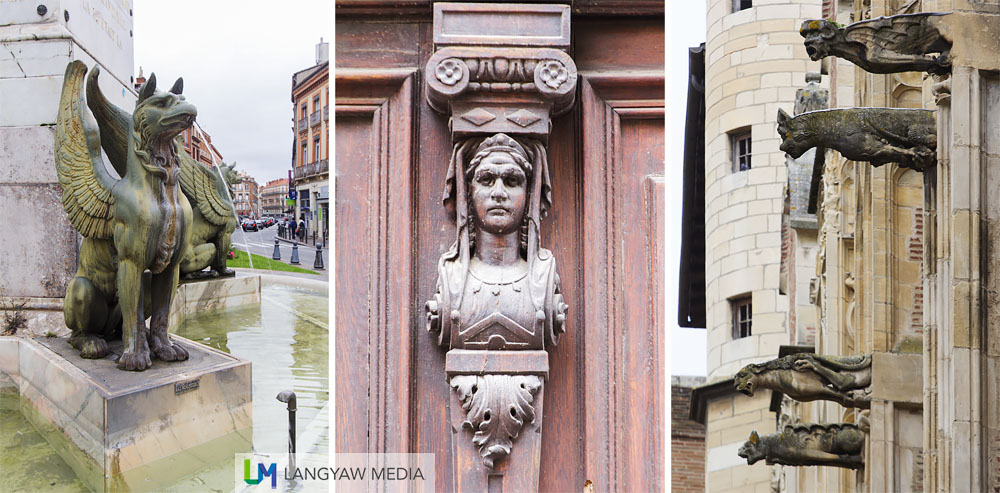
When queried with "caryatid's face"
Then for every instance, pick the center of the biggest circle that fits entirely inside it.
(499, 193)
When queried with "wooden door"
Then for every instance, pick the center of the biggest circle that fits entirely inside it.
(604, 408)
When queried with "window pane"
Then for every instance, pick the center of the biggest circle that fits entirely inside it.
(742, 314)
(741, 146)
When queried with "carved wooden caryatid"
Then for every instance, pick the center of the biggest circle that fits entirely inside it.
(875, 135)
(805, 377)
(808, 444)
(498, 307)
(885, 45)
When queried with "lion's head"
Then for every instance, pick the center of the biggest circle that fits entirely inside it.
(158, 118)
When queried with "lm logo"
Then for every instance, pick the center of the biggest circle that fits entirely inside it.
(262, 472)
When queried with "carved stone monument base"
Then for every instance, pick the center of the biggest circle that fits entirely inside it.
(127, 431)
(500, 394)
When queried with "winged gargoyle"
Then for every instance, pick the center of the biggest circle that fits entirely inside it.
(808, 444)
(885, 45)
(208, 191)
(875, 135)
(137, 223)
(809, 377)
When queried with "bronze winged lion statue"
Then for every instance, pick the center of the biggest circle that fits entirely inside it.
(209, 191)
(130, 225)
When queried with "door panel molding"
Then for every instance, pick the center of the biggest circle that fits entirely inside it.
(624, 380)
(386, 97)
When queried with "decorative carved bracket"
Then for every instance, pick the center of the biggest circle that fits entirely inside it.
(497, 406)
(805, 377)
(808, 444)
(500, 73)
(875, 135)
(885, 45)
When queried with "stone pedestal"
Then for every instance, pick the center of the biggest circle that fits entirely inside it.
(133, 431)
(39, 246)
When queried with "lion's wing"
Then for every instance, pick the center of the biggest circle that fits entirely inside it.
(85, 181)
(201, 185)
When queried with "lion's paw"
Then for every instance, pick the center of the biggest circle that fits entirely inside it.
(170, 352)
(134, 360)
(94, 348)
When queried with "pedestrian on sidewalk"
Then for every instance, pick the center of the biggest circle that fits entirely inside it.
(302, 230)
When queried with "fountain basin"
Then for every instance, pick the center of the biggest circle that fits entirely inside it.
(124, 431)
(277, 323)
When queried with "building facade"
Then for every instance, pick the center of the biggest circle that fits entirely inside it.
(889, 264)
(310, 158)
(247, 196)
(272, 197)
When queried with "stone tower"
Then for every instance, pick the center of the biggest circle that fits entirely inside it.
(754, 64)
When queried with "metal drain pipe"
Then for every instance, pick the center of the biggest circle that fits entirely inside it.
(288, 397)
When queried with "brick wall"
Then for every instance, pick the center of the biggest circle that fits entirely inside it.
(687, 439)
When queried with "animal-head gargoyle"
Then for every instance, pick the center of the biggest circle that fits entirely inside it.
(874, 135)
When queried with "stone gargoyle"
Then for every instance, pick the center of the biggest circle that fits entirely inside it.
(208, 190)
(809, 377)
(885, 45)
(130, 225)
(808, 444)
(875, 135)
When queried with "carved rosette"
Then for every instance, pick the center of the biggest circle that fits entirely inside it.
(450, 71)
(497, 407)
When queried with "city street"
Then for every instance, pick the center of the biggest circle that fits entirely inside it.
(262, 243)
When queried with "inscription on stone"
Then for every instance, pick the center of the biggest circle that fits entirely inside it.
(182, 387)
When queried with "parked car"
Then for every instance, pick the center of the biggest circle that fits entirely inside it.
(250, 225)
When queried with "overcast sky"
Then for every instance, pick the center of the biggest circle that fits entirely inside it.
(685, 28)
(237, 59)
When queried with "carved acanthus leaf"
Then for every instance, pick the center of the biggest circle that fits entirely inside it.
(497, 406)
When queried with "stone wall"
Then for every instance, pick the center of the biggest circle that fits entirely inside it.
(730, 420)
(687, 439)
